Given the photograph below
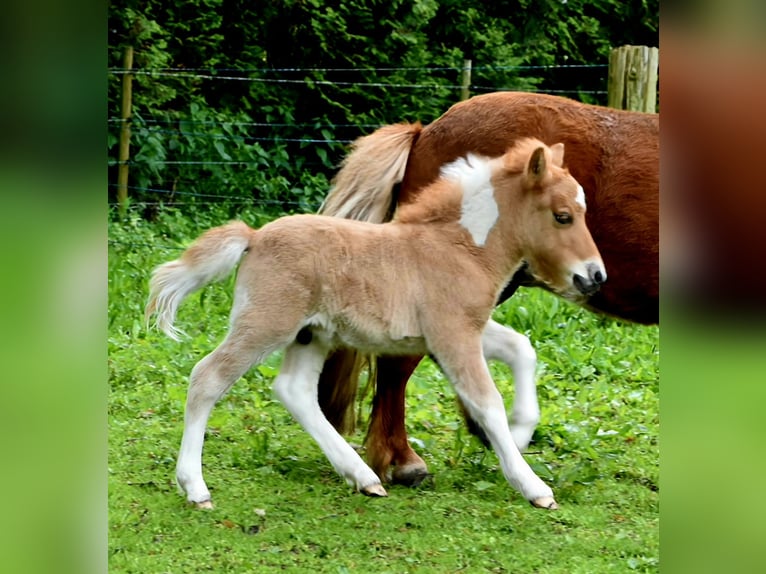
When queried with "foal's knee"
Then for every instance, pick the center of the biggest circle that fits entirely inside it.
(525, 352)
(281, 388)
(526, 416)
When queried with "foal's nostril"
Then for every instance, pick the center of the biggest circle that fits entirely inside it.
(598, 277)
(590, 283)
(583, 285)
(596, 273)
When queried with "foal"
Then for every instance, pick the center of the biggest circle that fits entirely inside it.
(613, 154)
(426, 282)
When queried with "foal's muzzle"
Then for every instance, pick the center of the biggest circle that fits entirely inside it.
(590, 284)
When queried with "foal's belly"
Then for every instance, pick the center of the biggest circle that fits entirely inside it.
(336, 332)
(381, 345)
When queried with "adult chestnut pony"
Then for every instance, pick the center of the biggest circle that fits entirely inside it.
(310, 283)
(613, 154)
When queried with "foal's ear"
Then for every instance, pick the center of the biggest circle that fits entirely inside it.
(537, 166)
(557, 153)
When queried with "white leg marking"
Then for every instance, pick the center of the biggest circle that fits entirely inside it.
(189, 465)
(473, 383)
(296, 387)
(514, 349)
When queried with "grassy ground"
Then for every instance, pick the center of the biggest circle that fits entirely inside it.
(281, 507)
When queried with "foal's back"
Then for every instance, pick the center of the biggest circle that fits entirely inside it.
(365, 285)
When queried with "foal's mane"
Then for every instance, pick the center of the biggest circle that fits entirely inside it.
(444, 204)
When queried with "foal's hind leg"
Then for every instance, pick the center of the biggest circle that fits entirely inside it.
(464, 364)
(296, 387)
(515, 350)
(209, 381)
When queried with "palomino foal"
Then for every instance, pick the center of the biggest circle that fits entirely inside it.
(426, 282)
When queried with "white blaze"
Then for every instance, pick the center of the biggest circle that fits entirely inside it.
(580, 199)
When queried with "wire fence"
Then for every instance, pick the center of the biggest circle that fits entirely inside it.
(429, 69)
(220, 151)
(230, 199)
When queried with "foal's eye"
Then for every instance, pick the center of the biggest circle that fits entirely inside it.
(563, 218)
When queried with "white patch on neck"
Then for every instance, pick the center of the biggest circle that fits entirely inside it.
(580, 199)
(479, 208)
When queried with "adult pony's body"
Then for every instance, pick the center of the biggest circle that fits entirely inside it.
(423, 283)
(613, 154)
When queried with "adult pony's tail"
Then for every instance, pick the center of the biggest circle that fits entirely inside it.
(363, 189)
(212, 256)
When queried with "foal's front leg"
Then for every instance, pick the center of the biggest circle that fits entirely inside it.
(296, 387)
(464, 364)
(514, 349)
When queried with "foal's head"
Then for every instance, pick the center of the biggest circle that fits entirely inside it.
(556, 243)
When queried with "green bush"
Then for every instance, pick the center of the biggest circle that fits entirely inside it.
(257, 102)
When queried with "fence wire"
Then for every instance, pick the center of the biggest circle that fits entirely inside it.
(117, 70)
(267, 134)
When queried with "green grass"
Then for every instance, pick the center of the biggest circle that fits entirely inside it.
(281, 507)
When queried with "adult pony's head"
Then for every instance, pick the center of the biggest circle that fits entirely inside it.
(557, 245)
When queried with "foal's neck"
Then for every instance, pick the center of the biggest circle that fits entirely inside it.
(440, 204)
(441, 208)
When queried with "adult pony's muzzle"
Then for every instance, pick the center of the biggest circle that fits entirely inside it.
(596, 275)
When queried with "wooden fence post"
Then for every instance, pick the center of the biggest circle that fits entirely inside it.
(122, 170)
(466, 81)
(632, 81)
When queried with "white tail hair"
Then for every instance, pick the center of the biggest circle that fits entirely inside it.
(363, 188)
(211, 257)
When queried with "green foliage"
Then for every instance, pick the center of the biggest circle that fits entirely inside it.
(280, 505)
(276, 89)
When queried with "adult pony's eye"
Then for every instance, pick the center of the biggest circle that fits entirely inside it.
(563, 218)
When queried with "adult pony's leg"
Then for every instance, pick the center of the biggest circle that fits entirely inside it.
(386, 441)
(515, 350)
(463, 363)
(209, 381)
(338, 387)
(296, 387)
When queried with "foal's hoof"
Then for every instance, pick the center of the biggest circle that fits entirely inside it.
(374, 490)
(204, 505)
(545, 502)
(410, 476)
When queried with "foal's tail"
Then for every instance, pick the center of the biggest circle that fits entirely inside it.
(363, 190)
(213, 256)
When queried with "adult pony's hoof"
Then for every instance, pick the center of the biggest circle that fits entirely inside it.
(374, 490)
(204, 505)
(410, 476)
(545, 502)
